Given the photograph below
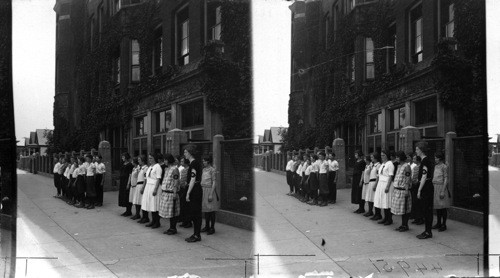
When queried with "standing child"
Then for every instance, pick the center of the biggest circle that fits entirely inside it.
(313, 180)
(332, 178)
(364, 182)
(61, 176)
(99, 179)
(132, 185)
(298, 176)
(323, 180)
(370, 190)
(80, 183)
(357, 186)
(169, 200)
(57, 179)
(73, 174)
(289, 174)
(65, 177)
(90, 182)
(184, 216)
(306, 184)
(441, 192)
(137, 201)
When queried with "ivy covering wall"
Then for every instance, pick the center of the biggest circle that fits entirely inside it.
(460, 82)
(226, 79)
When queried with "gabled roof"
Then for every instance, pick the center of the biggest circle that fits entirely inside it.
(42, 140)
(33, 140)
(276, 134)
(267, 135)
(261, 139)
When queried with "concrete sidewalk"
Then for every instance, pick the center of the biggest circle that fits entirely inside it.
(354, 246)
(101, 243)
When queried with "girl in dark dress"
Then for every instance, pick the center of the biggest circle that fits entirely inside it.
(123, 194)
(194, 193)
(426, 188)
(359, 169)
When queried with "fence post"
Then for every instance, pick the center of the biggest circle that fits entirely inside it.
(449, 158)
(105, 152)
(407, 136)
(217, 160)
(338, 148)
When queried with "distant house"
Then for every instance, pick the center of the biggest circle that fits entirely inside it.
(271, 140)
(36, 143)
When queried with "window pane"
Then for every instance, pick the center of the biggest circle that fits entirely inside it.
(426, 111)
(418, 44)
(144, 147)
(157, 144)
(136, 147)
(135, 45)
(186, 60)
(168, 120)
(184, 47)
(379, 122)
(370, 71)
(369, 50)
(418, 24)
(136, 73)
(450, 28)
(197, 135)
(135, 58)
(185, 29)
(402, 117)
(391, 142)
(451, 12)
(216, 32)
(217, 15)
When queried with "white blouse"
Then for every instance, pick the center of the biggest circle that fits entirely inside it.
(154, 173)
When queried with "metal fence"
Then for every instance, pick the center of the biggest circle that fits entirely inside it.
(469, 172)
(237, 181)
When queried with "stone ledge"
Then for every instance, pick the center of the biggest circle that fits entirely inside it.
(234, 219)
(5, 222)
(471, 217)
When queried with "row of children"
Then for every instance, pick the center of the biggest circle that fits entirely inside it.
(313, 178)
(79, 180)
(409, 186)
(388, 181)
(175, 188)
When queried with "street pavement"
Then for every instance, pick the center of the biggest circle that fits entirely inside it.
(494, 220)
(101, 243)
(354, 246)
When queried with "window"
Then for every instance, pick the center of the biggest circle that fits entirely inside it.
(214, 22)
(91, 32)
(450, 26)
(426, 111)
(352, 4)
(327, 24)
(100, 19)
(116, 6)
(336, 15)
(352, 68)
(192, 114)
(397, 118)
(163, 121)
(375, 122)
(135, 65)
(183, 37)
(369, 64)
(140, 126)
(116, 67)
(158, 51)
(391, 51)
(416, 34)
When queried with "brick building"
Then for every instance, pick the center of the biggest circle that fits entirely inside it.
(369, 72)
(136, 65)
(349, 48)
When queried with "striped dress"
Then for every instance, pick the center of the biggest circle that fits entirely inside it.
(401, 197)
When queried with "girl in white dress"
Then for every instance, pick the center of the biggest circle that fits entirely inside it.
(383, 190)
(137, 200)
(370, 189)
(152, 190)
(132, 185)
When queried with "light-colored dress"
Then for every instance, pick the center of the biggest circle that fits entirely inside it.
(150, 202)
(370, 194)
(366, 180)
(440, 173)
(170, 205)
(141, 178)
(207, 181)
(133, 183)
(382, 200)
(401, 197)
